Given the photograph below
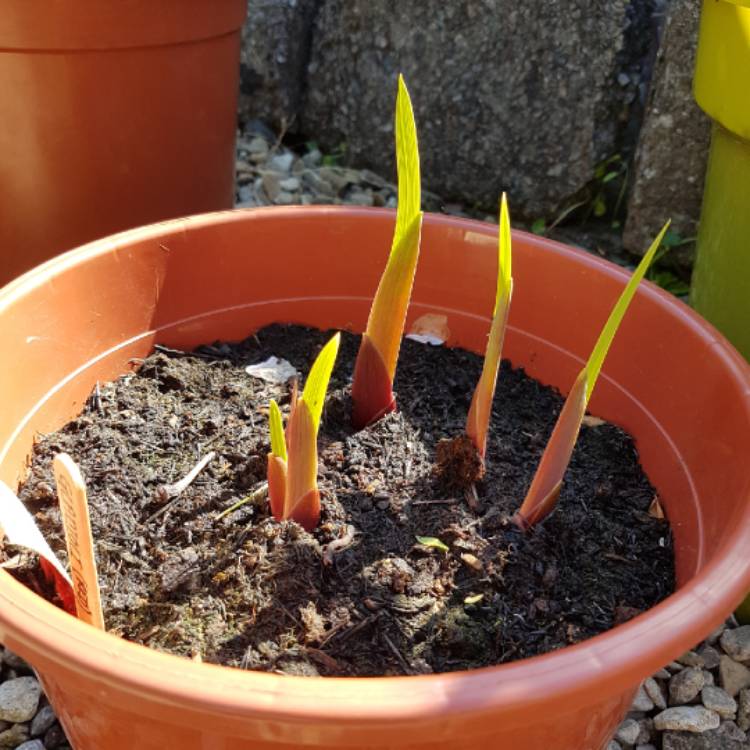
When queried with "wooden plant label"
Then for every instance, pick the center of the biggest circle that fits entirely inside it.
(74, 506)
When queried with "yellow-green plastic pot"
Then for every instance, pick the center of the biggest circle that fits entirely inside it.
(721, 279)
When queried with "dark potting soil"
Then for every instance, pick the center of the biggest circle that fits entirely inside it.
(247, 591)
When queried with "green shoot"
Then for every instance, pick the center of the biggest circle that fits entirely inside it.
(372, 387)
(544, 491)
(293, 460)
(478, 421)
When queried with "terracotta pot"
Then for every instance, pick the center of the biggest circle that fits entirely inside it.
(670, 379)
(112, 115)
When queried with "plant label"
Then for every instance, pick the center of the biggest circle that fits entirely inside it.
(74, 507)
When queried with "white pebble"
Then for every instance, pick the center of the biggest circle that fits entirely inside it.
(687, 719)
(641, 702)
(19, 699)
(628, 732)
(720, 701)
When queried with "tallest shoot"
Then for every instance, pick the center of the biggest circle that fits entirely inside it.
(372, 387)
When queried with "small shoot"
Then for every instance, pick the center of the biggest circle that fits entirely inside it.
(375, 368)
(544, 491)
(434, 542)
(293, 459)
(461, 459)
(478, 421)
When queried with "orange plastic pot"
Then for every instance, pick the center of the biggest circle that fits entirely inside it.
(670, 379)
(112, 115)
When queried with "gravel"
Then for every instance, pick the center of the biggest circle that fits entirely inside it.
(27, 721)
(709, 699)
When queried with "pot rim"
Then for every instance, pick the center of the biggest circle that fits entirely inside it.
(595, 665)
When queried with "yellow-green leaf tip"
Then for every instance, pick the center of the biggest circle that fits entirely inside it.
(504, 276)
(407, 163)
(431, 541)
(316, 386)
(594, 364)
(278, 442)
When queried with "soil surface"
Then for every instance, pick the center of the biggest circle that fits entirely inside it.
(247, 591)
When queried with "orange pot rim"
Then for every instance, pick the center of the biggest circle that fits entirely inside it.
(106, 26)
(597, 664)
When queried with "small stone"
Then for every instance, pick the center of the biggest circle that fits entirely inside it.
(743, 710)
(242, 167)
(19, 699)
(645, 747)
(258, 145)
(32, 745)
(339, 177)
(628, 732)
(285, 199)
(736, 643)
(708, 677)
(726, 737)
(723, 738)
(641, 702)
(710, 657)
(246, 193)
(646, 731)
(290, 184)
(316, 184)
(654, 691)
(715, 635)
(675, 666)
(692, 659)
(662, 674)
(687, 719)
(733, 677)
(719, 700)
(613, 745)
(14, 661)
(43, 720)
(312, 158)
(685, 686)
(54, 738)
(370, 178)
(730, 730)
(271, 183)
(14, 736)
(358, 198)
(282, 162)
